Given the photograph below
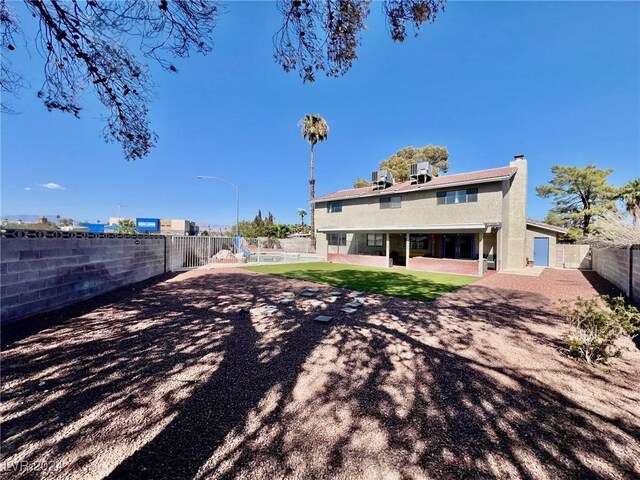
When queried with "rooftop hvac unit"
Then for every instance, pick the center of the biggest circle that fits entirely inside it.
(421, 172)
(381, 179)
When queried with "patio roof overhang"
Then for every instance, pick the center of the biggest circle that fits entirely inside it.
(440, 228)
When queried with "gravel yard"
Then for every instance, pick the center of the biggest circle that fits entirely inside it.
(191, 377)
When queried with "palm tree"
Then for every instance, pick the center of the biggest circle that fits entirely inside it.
(314, 129)
(302, 212)
(630, 195)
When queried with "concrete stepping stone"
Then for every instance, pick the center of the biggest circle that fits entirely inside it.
(286, 301)
(288, 294)
(349, 310)
(270, 310)
(335, 293)
(322, 318)
(307, 293)
(356, 294)
(354, 304)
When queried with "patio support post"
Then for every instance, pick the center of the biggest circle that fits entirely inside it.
(480, 253)
(408, 249)
(388, 248)
(499, 250)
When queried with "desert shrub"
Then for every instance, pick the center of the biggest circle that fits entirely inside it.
(627, 315)
(596, 324)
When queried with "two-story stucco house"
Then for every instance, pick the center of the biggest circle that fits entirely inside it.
(462, 223)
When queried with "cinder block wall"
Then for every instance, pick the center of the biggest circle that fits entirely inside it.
(613, 264)
(41, 274)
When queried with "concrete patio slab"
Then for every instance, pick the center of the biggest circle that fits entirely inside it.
(527, 271)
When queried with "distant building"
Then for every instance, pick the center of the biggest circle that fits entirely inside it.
(93, 227)
(149, 225)
(71, 228)
(178, 227)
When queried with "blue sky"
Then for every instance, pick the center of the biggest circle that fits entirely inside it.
(557, 81)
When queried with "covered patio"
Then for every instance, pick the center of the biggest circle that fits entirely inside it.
(467, 249)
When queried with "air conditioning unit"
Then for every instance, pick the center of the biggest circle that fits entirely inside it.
(381, 179)
(421, 172)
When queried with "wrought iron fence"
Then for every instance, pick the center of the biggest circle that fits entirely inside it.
(278, 250)
(194, 252)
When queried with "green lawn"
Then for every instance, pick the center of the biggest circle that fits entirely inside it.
(396, 283)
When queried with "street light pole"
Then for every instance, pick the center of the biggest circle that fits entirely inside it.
(120, 206)
(205, 177)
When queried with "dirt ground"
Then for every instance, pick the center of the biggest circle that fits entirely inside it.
(188, 377)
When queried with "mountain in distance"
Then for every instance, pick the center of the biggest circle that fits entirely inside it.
(214, 228)
(28, 218)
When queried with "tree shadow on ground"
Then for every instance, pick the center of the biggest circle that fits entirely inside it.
(24, 328)
(599, 284)
(175, 382)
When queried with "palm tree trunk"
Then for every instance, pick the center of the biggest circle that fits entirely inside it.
(312, 194)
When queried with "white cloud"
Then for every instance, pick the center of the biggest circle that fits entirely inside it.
(28, 188)
(53, 186)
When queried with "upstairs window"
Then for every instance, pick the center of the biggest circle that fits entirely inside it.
(375, 239)
(390, 202)
(337, 239)
(467, 195)
(334, 207)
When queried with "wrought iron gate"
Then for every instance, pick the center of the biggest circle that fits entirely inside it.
(192, 252)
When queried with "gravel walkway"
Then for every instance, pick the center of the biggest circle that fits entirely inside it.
(190, 378)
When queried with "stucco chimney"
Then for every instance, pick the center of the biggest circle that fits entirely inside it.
(515, 216)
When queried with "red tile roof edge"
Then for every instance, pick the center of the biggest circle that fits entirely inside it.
(467, 178)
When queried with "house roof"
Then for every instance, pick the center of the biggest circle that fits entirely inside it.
(546, 226)
(442, 181)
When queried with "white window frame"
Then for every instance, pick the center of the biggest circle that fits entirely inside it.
(375, 240)
(337, 239)
(394, 201)
(331, 207)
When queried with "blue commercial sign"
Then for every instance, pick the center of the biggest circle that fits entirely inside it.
(148, 224)
(94, 227)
